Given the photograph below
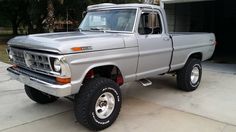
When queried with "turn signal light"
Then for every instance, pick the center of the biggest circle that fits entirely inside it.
(63, 80)
(76, 49)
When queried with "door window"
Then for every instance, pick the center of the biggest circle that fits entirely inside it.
(150, 23)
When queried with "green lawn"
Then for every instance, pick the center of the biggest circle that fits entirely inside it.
(3, 54)
(4, 37)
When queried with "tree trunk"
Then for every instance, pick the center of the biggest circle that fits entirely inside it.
(30, 28)
(14, 28)
(50, 18)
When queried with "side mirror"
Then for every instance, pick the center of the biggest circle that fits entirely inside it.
(84, 13)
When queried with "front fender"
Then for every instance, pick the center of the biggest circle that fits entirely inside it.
(125, 59)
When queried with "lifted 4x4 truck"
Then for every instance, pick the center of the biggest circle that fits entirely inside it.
(115, 44)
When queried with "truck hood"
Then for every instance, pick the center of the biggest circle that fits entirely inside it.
(62, 43)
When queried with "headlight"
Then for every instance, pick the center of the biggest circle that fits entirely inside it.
(57, 65)
(60, 66)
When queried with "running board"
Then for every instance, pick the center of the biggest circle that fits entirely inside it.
(145, 82)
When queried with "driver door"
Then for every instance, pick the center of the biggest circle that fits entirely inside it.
(155, 45)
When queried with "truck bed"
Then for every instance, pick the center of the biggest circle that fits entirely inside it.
(186, 43)
(186, 33)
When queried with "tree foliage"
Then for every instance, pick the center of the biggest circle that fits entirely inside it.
(31, 13)
(14, 11)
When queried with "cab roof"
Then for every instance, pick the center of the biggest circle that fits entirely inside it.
(111, 5)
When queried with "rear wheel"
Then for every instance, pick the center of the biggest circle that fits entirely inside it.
(38, 96)
(98, 103)
(189, 78)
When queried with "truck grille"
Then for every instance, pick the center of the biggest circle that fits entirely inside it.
(31, 60)
(18, 57)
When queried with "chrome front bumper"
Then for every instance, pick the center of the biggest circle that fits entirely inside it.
(52, 89)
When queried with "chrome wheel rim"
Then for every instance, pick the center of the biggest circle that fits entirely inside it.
(105, 105)
(195, 75)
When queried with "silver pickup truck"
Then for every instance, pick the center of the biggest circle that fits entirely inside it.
(115, 44)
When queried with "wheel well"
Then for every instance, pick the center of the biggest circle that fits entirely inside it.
(196, 55)
(108, 71)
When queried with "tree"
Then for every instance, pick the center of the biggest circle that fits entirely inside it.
(50, 16)
(36, 13)
(29, 13)
(14, 11)
(32, 13)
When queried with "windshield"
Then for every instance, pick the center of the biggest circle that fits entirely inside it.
(109, 20)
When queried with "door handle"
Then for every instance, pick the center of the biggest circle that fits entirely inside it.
(166, 38)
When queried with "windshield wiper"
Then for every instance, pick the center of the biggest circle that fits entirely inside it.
(80, 29)
(103, 30)
(92, 29)
(97, 29)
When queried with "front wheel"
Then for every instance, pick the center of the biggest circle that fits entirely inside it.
(189, 78)
(98, 103)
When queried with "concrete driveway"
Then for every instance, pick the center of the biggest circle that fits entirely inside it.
(160, 107)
